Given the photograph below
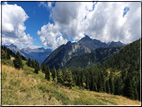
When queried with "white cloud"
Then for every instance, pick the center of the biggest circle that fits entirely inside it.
(102, 20)
(50, 36)
(13, 28)
(47, 5)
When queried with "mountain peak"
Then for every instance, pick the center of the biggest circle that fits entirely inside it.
(69, 42)
(12, 45)
(113, 43)
(86, 38)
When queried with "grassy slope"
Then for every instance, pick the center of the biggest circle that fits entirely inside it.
(23, 87)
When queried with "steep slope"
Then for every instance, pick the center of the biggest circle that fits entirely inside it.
(64, 53)
(40, 54)
(23, 87)
(127, 58)
(89, 59)
(118, 75)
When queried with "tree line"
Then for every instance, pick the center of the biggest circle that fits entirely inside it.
(119, 75)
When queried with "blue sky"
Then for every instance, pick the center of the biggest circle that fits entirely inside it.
(38, 16)
(51, 24)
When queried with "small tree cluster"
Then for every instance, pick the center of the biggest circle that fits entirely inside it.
(46, 70)
(18, 61)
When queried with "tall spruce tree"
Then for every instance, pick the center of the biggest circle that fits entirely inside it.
(54, 73)
(29, 62)
(47, 73)
(18, 61)
(111, 83)
(60, 78)
(68, 78)
(36, 70)
(43, 68)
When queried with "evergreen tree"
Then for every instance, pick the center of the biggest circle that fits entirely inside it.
(29, 62)
(118, 86)
(33, 63)
(87, 81)
(44, 68)
(107, 87)
(60, 78)
(37, 65)
(47, 73)
(111, 83)
(95, 86)
(18, 61)
(3, 54)
(54, 73)
(68, 78)
(8, 55)
(36, 70)
(130, 88)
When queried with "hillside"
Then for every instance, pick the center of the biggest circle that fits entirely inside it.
(89, 59)
(23, 87)
(119, 75)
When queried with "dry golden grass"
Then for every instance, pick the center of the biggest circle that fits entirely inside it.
(19, 88)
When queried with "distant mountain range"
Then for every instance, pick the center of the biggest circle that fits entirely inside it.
(60, 56)
(40, 54)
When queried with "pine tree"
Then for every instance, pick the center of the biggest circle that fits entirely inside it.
(95, 86)
(47, 73)
(36, 70)
(8, 55)
(3, 54)
(60, 78)
(118, 86)
(37, 65)
(29, 62)
(33, 63)
(44, 68)
(107, 87)
(111, 83)
(54, 73)
(68, 78)
(18, 61)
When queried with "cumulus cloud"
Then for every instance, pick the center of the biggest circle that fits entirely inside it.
(13, 28)
(104, 21)
(50, 36)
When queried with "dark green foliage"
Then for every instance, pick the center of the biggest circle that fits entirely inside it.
(107, 87)
(18, 61)
(6, 53)
(47, 73)
(54, 73)
(33, 63)
(68, 78)
(36, 70)
(127, 83)
(44, 68)
(60, 78)
(29, 62)
(37, 65)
